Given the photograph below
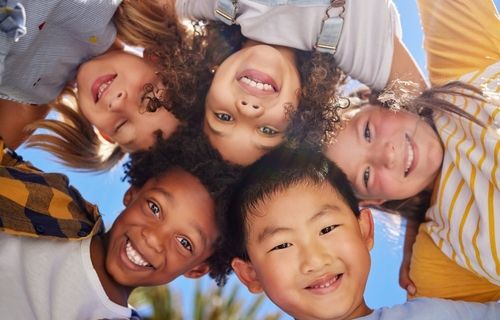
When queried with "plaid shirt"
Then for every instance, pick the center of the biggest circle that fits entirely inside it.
(34, 203)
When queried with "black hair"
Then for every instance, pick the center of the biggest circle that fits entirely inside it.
(189, 150)
(272, 174)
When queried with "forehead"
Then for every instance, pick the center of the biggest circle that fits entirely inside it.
(296, 204)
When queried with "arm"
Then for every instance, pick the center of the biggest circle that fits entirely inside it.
(404, 271)
(460, 36)
(14, 117)
(404, 66)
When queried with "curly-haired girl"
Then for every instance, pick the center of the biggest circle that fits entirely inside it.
(129, 98)
(251, 90)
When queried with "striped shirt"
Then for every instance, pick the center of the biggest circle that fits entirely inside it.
(60, 35)
(34, 203)
(465, 211)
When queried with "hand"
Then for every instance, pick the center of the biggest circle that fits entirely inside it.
(404, 277)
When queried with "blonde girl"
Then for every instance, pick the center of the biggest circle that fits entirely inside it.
(131, 99)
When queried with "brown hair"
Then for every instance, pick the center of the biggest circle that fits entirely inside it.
(155, 28)
(319, 128)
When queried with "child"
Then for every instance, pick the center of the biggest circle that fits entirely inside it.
(297, 234)
(128, 98)
(170, 227)
(246, 105)
(451, 153)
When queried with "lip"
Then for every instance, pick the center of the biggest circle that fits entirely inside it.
(129, 264)
(414, 147)
(98, 82)
(325, 284)
(258, 76)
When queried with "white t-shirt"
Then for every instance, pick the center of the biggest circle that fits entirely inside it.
(51, 279)
(365, 47)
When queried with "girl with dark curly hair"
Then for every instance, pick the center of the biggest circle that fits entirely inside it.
(251, 90)
(124, 97)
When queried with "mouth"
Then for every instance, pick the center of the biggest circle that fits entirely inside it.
(100, 86)
(135, 257)
(325, 284)
(409, 156)
(257, 83)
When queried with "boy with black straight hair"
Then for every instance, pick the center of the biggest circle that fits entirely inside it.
(295, 232)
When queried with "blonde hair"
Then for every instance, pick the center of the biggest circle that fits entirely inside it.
(72, 138)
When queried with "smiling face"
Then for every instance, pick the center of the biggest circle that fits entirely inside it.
(309, 253)
(387, 155)
(167, 229)
(110, 96)
(246, 105)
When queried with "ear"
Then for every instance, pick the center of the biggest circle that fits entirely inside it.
(366, 226)
(246, 273)
(150, 56)
(129, 195)
(198, 271)
(371, 202)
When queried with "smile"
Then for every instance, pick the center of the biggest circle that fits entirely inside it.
(325, 284)
(410, 156)
(257, 83)
(134, 256)
(101, 85)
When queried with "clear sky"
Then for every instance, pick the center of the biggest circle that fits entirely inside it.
(107, 191)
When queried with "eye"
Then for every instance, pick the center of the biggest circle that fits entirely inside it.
(268, 131)
(223, 116)
(328, 229)
(185, 243)
(366, 177)
(155, 209)
(367, 132)
(282, 246)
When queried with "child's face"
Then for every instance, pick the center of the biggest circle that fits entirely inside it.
(387, 155)
(167, 229)
(245, 106)
(309, 253)
(110, 89)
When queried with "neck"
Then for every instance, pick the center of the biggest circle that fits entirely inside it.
(288, 52)
(116, 292)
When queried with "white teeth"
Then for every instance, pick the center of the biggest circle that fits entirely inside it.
(325, 285)
(255, 84)
(134, 256)
(103, 88)
(409, 159)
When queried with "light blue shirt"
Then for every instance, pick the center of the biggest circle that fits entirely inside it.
(437, 309)
(60, 35)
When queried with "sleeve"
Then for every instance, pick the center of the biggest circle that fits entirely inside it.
(367, 43)
(460, 36)
(196, 9)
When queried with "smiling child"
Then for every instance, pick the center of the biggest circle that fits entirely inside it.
(170, 227)
(296, 233)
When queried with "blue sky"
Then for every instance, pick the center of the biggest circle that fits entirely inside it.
(107, 191)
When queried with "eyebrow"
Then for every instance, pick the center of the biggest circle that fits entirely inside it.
(270, 231)
(197, 227)
(215, 131)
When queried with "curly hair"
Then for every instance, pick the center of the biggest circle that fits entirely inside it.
(189, 149)
(155, 28)
(319, 129)
(319, 75)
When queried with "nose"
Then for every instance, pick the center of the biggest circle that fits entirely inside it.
(249, 107)
(117, 101)
(385, 155)
(153, 238)
(314, 258)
